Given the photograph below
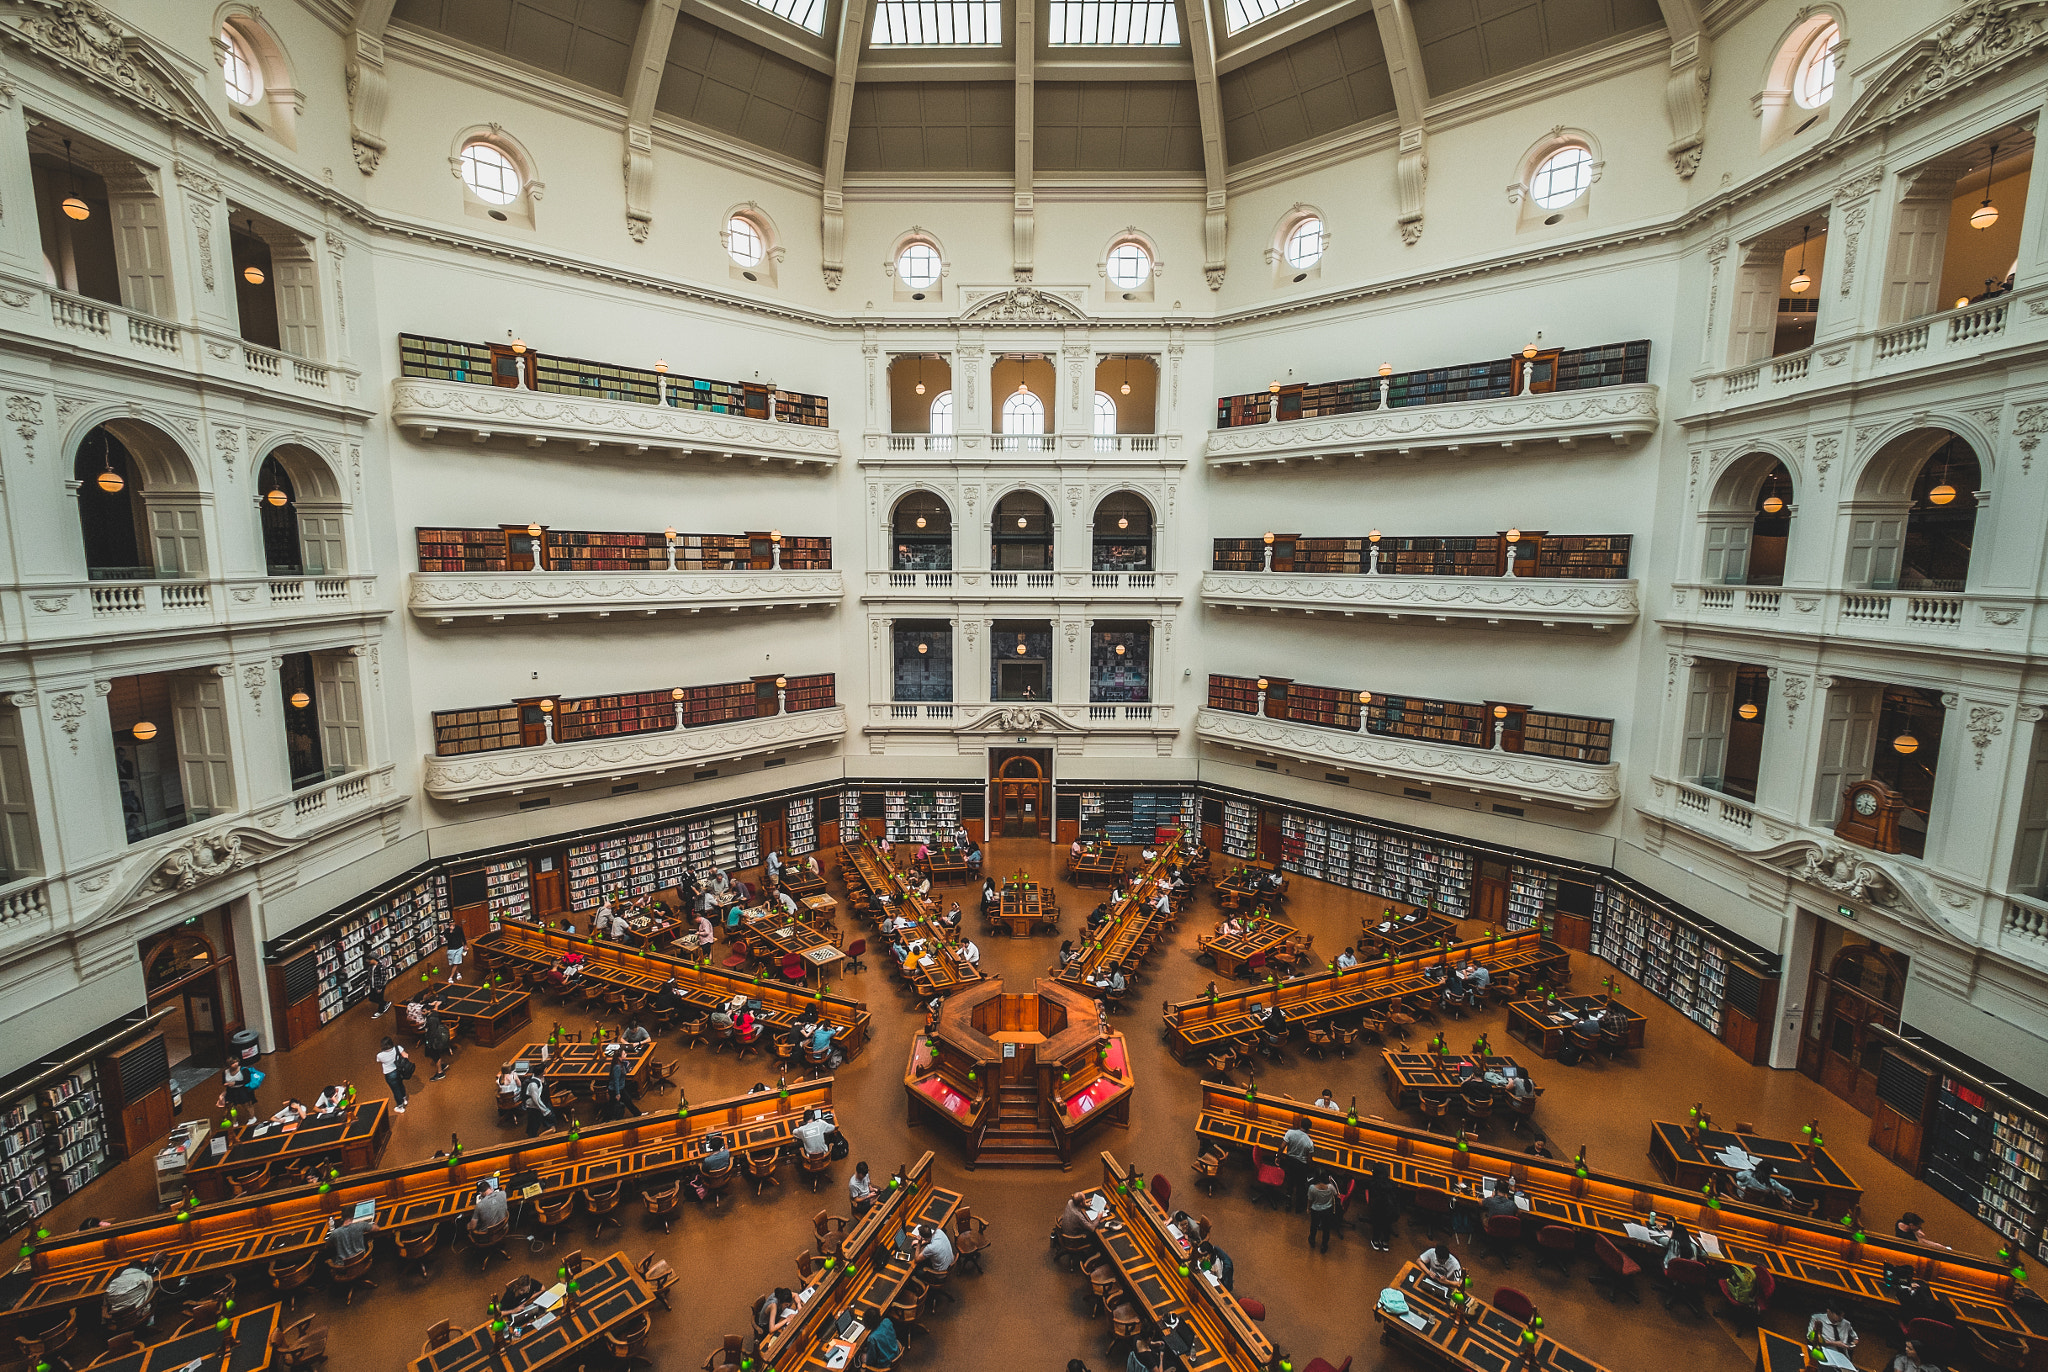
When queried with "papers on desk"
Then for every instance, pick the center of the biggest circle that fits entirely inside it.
(1709, 1244)
(1737, 1157)
(1215, 1276)
(1835, 1357)
(548, 1299)
(785, 931)
(1635, 1231)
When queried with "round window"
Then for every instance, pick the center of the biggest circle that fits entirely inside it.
(743, 240)
(1562, 177)
(917, 266)
(238, 69)
(490, 174)
(1305, 243)
(1813, 85)
(1129, 265)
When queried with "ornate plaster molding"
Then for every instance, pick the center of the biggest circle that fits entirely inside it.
(446, 596)
(1580, 786)
(1024, 305)
(428, 408)
(1616, 414)
(1549, 601)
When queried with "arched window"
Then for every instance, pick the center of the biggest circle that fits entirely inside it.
(1813, 79)
(139, 506)
(942, 413)
(1130, 266)
(744, 240)
(1747, 524)
(238, 68)
(277, 503)
(1105, 415)
(1554, 181)
(254, 74)
(490, 175)
(1562, 177)
(1799, 84)
(1023, 413)
(917, 266)
(921, 534)
(1305, 243)
(1123, 534)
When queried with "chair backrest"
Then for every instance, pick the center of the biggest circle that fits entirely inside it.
(1686, 1272)
(1508, 1226)
(1558, 1236)
(1513, 1303)
(792, 966)
(860, 945)
(1612, 1257)
(437, 1334)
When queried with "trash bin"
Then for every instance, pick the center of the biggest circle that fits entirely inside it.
(246, 1045)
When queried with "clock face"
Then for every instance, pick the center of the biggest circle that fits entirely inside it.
(1866, 803)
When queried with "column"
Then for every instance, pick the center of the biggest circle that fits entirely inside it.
(971, 668)
(21, 242)
(202, 205)
(1848, 290)
(1070, 661)
(257, 725)
(79, 771)
(1970, 816)
(1791, 741)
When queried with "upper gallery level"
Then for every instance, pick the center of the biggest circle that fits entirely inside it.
(1014, 403)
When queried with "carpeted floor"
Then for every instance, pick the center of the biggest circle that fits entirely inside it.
(1027, 1312)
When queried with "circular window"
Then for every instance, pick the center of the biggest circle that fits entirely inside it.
(917, 266)
(1562, 177)
(490, 174)
(1305, 243)
(1129, 265)
(238, 69)
(743, 240)
(1814, 83)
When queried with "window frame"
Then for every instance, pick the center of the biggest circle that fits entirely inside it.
(917, 236)
(1531, 215)
(520, 209)
(768, 270)
(1130, 236)
(1021, 402)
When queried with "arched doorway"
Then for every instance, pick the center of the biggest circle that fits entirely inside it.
(184, 971)
(921, 534)
(1857, 986)
(1746, 524)
(1916, 519)
(139, 505)
(1123, 533)
(1023, 801)
(1020, 535)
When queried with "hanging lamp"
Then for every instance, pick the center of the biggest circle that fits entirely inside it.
(1802, 283)
(108, 480)
(1943, 492)
(252, 273)
(1986, 214)
(1125, 389)
(920, 373)
(74, 205)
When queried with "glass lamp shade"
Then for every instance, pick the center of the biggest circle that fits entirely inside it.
(1500, 712)
(1022, 521)
(1984, 216)
(1262, 683)
(253, 274)
(1365, 697)
(109, 481)
(276, 498)
(1961, 301)
(924, 647)
(1801, 283)
(300, 700)
(547, 707)
(1119, 650)
(1942, 494)
(1386, 369)
(1124, 389)
(1273, 388)
(1374, 536)
(920, 521)
(518, 345)
(669, 533)
(1514, 535)
(1529, 352)
(144, 731)
(1268, 538)
(675, 693)
(1905, 743)
(75, 208)
(1747, 710)
(1773, 505)
(1020, 650)
(660, 365)
(781, 683)
(1123, 522)
(920, 388)
(533, 531)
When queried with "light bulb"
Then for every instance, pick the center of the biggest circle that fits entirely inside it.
(547, 707)
(1961, 301)
(924, 647)
(1500, 712)
(1274, 388)
(144, 732)
(518, 345)
(669, 533)
(1124, 523)
(1262, 683)
(1269, 538)
(1529, 351)
(1386, 369)
(1374, 536)
(1365, 697)
(782, 683)
(1801, 283)
(1020, 650)
(1514, 535)
(110, 482)
(1124, 389)
(675, 693)
(300, 700)
(1773, 505)
(1905, 743)
(74, 208)
(276, 498)
(1942, 494)
(533, 531)
(1020, 521)
(1747, 710)
(1022, 389)
(660, 364)
(1984, 216)
(920, 521)
(1119, 650)
(920, 388)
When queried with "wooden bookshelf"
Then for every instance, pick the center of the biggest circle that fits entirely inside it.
(477, 731)
(1436, 721)
(1480, 556)
(1236, 411)
(1238, 694)
(1239, 555)
(1618, 364)
(1447, 385)
(721, 704)
(1564, 556)
(641, 712)
(1330, 556)
(810, 693)
(506, 548)
(1583, 556)
(1326, 707)
(1571, 737)
(444, 359)
(794, 407)
(462, 550)
(594, 380)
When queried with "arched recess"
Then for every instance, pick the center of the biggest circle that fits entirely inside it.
(308, 534)
(1123, 533)
(152, 523)
(1913, 513)
(278, 101)
(1783, 113)
(1021, 532)
(1746, 523)
(921, 533)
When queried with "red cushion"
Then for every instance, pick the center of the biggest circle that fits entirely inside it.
(1269, 1175)
(1253, 1306)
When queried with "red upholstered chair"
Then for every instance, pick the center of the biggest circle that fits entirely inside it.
(739, 959)
(1500, 1235)
(853, 955)
(794, 969)
(1268, 1179)
(1937, 1339)
(1318, 1365)
(1162, 1191)
(1758, 1302)
(1616, 1276)
(1556, 1246)
(1434, 1209)
(1683, 1281)
(1513, 1304)
(1253, 1306)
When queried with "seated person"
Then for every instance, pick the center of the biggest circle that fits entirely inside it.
(706, 935)
(1521, 1087)
(126, 1304)
(1762, 1180)
(860, 1190)
(717, 1157)
(1075, 1219)
(291, 1112)
(519, 1292)
(721, 1019)
(1502, 1201)
(1110, 978)
(970, 953)
(1908, 1228)
(1326, 1101)
(774, 1313)
(347, 1242)
(489, 1209)
(1682, 1248)
(951, 919)
(634, 1034)
(416, 1015)
(1099, 916)
(821, 1038)
(331, 1099)
(814, 1134)
(935, 1249)
(744, 1026)
(989, 898)
(1914, 1358)
(1347, 958)
(1442, 1264)
(786, 901)
(1831, 1327)
(669, 999)
(1211, 1258)
(1068, 953)
(1475, 1089)
(1074, 851)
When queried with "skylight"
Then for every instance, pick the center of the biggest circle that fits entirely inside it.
(1244, 13)
(806, 14)
(938, 23)
(1114, 23)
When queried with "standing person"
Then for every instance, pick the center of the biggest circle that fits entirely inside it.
(238, 1084)
(539, 1113)
(435, 1039)
(380, 977)
(396, 1065)
(455, 939)
(1298, 1150)
(1322, 1209)
(1382, 1208)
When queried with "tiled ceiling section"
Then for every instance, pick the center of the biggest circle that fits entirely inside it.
(587, 41)
(1318, 86)
(733, 87)
(1465, 42)
(1114, 126)
(933, 126)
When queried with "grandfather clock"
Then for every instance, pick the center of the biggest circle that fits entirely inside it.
(1870, 816)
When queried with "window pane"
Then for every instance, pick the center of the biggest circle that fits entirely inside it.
(1240, 13)
(1563, 177)
(238, 69)
(1129, 265)
(806, 14)
(938, 23)
(1305, 243)
(1815, 83)
(942, 413)
(490, 174)
(1105, 413)
(917, 266)
(1115, 22)
(744, 242)
(1023, 413)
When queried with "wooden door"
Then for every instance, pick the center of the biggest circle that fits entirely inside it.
(1572, 931)
(1269, 836)
(1022, 805)
(548, 891)
(1021, 1069)
(1491, 900)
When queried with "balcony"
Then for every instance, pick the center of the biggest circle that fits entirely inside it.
(445, 597)
(1115, 449)
(56, 613)
(96, 328)
(1519, 776)
(482, 414)
(1946, 339)
(1548, 602)
(1607, 417)
(1096, 730)
(514, 771)
(1022, 585)
(1941, 621)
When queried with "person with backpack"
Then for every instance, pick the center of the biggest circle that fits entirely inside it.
(435, 1039)
(396, 1065)
(539, 1113)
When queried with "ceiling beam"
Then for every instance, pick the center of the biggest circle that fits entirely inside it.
(643, 83)
(1023, 224)
(367, 91)
(1199, 26)
(853, 18)
(1685, 85)
(1411, 102)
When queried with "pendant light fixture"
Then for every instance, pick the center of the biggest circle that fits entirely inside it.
(1986, 214)
(252, 273)
(108, 480)
(1802, 283)
(1125, 389)
(1747, 709)
(144, 731)
(300, 700)
(920, 373)
(74, 205)
(1943, 493)
(1906, 743)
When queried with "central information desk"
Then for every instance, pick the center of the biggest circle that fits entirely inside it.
(1815, 1253)
(866, 1277)
(1122, 940)
(1410, 1076)
(1487, 1339)
(490, 1013)
(252, 1334)
(1152, 1257)
(534, 949)
(1235, 953)
(608, 1294)
(1418, 931)
(1690, 1159)
(352, 1140)
(1545, 1024)
(1196, 1027)
(74, 1269)
(581, 1066)
(941, 970)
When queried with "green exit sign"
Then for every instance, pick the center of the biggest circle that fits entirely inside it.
(1845, 912)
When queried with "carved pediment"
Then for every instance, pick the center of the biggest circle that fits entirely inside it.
(99, 49)
(1980, 37)
(1023, 305)
(200, 860)
(1861, 876)
(1020, 719)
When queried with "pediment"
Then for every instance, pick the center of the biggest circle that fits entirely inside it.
(1978, 39)
(200, 860)
(92, 44)
(1024, 305)
(1863, 877)
(1019, 719)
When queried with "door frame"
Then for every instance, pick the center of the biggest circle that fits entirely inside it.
(1041, 760)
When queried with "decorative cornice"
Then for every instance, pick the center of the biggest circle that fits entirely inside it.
(1580, 786)
(446, 596)
(485, 412)
(565, 764)
(1546, 601)
(1616, 414)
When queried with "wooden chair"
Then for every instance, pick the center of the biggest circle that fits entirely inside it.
(118, 1346)
(970, 1238)
(664, 1205)
(661, 1076)
(489, 1243)
(249, 1182)
(1346, 1038)
(627, 1343)
(418, 1244)
(1074, 1247)
(1434, 1107)
(762, 1165)
(817, 1167)
(510, 1108)
(289, 1276)
(47, 1345)
(354, 1273)
(1320, 1039)
(727, 1357)
(1124, 1324)
(695, 1031)
(1209, 1167)
(300, 1345)
(719, 1180)
(440, 1332)
(830, 1229)
(601, 1203)
(659, 1277)
(552, 1217)
(1106, 1286)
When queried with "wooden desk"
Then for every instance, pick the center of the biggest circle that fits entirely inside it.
(1410, 1075)
(1812, 1173)
(1022, 908)
(252, 1334)
(609, 1293)
(946, 971)
(1149, 1255)
(489, 1013)
(801, 882)
(580, 1066)
(1233, 952)
(790, 937)
(1545, 1024)
(74, 1268)
(1121, 941)
(1097, 865)
(353, 1141)
(1487, 1340)
(1194, 1027)
(1814, 1253)
(1419, 931)
(1783, 1353)
(521, 945)
(949, 867)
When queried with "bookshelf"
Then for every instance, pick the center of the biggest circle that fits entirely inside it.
(1236, 411)
(919, 816)
(574, 550)
(1614, 365)
(1678, 958)
(1137, 816)
(1382, 862)
(1986, 1152)
(1329, 556)
(1582, 556)
(508, 889)
(721, 704)
(1436, 721)
(717, 397)
(404, 921)
(641, 712)
(1562, 556)
(810, 693)
(794, 407)
(1238, 555)
(1326, 707)
(442, 359)
(1446, 385)
(1569, 737)
(802, 825)
(462, 550)
(1239, 694)
(1532, 894)
(477, 731)
(1476, 556)
(594, 380)
(1240, 829)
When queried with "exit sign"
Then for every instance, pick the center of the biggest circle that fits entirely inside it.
(1845, 912)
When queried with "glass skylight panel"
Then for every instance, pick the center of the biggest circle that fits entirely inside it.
(1113, 23)
(938, 23)
(805, 14)
(1240, 14)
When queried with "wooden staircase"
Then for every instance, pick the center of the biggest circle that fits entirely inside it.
(1019, 1137)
